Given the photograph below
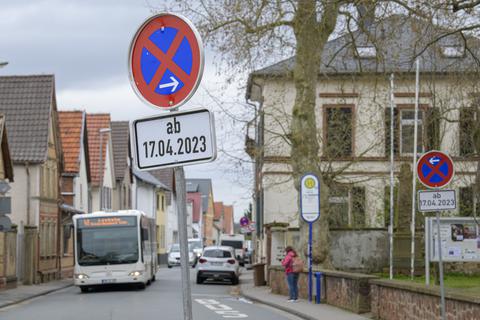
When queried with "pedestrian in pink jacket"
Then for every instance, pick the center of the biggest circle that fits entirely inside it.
(292, 277)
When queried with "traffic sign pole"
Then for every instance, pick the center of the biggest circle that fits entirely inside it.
(180, 190)
(165, 66)
(440, 267)
(310, 282)
(435, 170)
(310, 212)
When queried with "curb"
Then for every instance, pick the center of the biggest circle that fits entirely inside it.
(36, 295)
(277, 306)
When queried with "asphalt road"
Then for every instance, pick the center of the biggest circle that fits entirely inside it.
(161, 300)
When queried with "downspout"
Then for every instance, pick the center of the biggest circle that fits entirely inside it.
(27, 168)
(258, 163)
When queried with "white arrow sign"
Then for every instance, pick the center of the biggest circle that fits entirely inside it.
(433, 160)
(173, 84)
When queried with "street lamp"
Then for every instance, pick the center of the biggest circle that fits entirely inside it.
(3, 64)
(102, 131)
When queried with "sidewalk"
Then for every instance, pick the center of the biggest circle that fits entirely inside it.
(302, 308)
(22, 293)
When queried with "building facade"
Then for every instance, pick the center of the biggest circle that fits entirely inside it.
(353, 122)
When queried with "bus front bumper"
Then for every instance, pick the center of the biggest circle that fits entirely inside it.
(87, 280)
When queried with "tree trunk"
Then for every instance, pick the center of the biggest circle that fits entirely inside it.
(311, 36)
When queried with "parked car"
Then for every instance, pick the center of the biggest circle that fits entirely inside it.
(174, 256)
(218, 263)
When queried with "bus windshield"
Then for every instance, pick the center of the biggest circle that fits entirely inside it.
(105, 243)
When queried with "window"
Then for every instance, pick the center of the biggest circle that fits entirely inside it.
(67, 234)
(453, 51)
(407, 127)
(467, 121)
(163, 203)
(43, 239)
(347, 206)
(404, 121)
(158, 202)
(366, 52)
(338, 134)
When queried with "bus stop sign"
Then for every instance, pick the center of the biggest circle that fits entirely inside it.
(166, 61)
(435, 169)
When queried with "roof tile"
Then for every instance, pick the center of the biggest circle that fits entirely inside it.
(27, 103)
(71, 128)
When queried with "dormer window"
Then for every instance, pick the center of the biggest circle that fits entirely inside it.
(366, 52)
(453, 51)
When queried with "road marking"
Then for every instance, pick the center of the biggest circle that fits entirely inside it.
(221, 309)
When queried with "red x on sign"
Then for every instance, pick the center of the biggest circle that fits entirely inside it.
(166, 61)
(435, 169)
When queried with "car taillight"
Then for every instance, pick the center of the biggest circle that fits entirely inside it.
(202, 260)
(231, 261)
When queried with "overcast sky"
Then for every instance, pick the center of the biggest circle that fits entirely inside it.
(85, 44)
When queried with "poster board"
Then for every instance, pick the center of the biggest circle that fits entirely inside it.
(459, 237)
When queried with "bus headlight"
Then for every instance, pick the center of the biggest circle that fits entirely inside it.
(135, 273)
(81, 276)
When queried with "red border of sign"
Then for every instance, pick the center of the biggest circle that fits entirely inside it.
(191, 82)
(441, 155)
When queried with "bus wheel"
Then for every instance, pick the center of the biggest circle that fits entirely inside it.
(84, 289)
(153, 278)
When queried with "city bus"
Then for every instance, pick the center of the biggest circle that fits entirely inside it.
(114, 248)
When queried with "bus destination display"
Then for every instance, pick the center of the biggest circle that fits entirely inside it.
(107, 222)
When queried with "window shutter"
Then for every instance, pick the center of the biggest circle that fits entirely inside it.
(358, 207)
(466, 201)
(432, 133)
(387, 132)
(466, 128)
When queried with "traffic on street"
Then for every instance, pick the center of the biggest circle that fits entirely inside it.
(161, 300)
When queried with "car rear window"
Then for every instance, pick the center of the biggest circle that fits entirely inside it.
(217, 254)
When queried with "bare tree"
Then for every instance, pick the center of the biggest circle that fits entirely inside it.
(248, 34)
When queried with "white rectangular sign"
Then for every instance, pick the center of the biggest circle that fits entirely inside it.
(310, 198)
(174, 139)
(436, 200)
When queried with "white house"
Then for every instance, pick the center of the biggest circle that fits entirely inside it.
(352, 118)
(144, 192)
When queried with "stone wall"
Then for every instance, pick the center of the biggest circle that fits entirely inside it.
(392, 300)
(359, 250)
(345, 290)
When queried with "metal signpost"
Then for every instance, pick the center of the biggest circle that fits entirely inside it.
(310, 212)
(435, 170)
(165, 67)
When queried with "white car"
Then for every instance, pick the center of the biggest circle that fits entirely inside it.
(218, 263)
(174, 256)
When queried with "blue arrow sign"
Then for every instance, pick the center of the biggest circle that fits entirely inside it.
(177, 50)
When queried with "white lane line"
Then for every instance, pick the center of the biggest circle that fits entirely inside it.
(221, 309)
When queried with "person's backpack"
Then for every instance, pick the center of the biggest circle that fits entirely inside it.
(297, 265)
